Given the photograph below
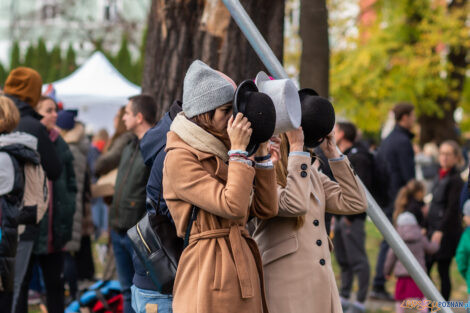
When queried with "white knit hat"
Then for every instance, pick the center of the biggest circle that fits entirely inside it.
(204, 89)
(406, 218)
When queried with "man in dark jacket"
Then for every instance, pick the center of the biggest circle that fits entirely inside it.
(396, 151)
(129, 198)
(152, 147)
(350, 235)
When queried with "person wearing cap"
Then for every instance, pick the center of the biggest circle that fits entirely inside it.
(23, 86)
(73, 132)
(410, 231)
(55, 228)
(207, 175)
(463, 250)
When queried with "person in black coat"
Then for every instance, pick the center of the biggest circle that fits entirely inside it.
(23, 87)
(444, 218)
(16, 150)
(350, 235)
(152, 147)
(396, 152)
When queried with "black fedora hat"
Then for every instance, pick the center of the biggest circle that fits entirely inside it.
(258, 109)
(318, 117)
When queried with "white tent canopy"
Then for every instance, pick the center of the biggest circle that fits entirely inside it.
(97, 90)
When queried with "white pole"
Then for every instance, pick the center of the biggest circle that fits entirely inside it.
(376, 214)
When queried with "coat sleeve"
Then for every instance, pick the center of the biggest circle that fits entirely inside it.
(429, 246)
(50, 160)
(406, 162)
(390, 262)
(192, 183)
(462, 256)
(347, 195)
(294, 198)
(110, 160)
(452, 205)
(265, 204)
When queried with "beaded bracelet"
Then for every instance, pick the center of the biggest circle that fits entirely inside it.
(245, 153)
(238, 155)
(263, 158)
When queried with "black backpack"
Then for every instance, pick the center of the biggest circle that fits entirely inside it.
(158, 247)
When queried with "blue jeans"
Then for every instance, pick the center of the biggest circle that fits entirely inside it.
(142, 297)
(99, 214)
(123, 251)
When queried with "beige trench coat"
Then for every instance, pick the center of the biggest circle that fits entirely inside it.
(298, 274)
(220, 270)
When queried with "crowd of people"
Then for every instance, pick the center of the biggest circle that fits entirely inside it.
(258, 219)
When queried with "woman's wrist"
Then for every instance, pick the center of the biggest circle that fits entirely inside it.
(296, 147)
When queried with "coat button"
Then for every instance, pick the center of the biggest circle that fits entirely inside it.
(316, 222)
(322, 262)
(318, 242)
(303, 166)
(303, 174)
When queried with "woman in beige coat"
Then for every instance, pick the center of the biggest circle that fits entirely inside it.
(294, 246)
(220, 270)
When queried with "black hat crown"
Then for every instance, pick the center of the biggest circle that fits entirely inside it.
(318, 117)
(258, 109)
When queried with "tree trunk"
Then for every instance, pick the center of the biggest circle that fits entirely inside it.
(435, 128)
(181, 31)
(315, 59)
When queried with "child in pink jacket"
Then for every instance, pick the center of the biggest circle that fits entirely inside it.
(419, 245)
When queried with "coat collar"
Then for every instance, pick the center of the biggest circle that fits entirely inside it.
(197, 138)
(405, 131)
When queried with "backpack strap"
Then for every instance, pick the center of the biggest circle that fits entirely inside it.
(193, 217)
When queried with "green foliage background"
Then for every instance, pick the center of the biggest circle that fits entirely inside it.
(404, 59)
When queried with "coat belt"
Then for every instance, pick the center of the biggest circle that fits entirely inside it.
(234, 234)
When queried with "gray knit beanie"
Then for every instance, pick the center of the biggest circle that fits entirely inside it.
(204, 90)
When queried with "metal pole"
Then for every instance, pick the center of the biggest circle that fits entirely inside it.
(376, 214)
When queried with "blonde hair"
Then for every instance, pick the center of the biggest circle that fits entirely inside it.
(405, 194)
(281, 171)
(9, 115)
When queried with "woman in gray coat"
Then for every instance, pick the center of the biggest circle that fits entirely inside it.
(294, 246)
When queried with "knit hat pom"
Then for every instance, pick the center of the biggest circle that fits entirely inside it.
(205, 89)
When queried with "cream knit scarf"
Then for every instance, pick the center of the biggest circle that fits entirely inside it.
(197, 137)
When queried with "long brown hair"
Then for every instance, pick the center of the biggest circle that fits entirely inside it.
(121, 128)
(405, 194)
(204, 121)
(281, 171)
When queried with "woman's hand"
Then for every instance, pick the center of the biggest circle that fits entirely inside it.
(296, 139)
(262, 150)
(329, 146)
(275, 149)
(436, 237)
(239, 131)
